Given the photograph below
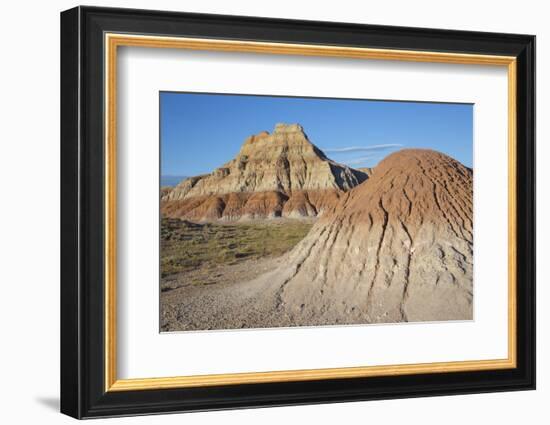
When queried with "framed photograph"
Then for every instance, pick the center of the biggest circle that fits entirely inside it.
(261, 212)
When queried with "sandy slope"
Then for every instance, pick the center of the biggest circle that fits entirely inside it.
(240, 301)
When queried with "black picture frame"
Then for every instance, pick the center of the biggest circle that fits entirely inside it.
(83, 392)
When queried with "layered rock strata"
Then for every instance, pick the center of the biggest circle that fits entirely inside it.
(281, 174)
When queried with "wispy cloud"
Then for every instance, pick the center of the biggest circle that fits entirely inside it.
(371, 148)
(362, 160)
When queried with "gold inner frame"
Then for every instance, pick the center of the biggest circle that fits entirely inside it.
(113, 41)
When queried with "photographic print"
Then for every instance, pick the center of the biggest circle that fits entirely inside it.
(292, 211)
(257, 184)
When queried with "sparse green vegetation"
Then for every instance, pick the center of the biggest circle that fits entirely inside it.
(187, 246)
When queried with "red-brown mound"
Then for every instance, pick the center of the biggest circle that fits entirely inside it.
(399, 247)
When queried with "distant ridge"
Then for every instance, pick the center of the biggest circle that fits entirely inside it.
(367, 170)
(171, 180)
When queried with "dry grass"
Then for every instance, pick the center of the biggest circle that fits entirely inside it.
(187, 246)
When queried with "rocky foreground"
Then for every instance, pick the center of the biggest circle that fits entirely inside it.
(396, 248)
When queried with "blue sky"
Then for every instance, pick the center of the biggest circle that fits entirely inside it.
(200, 132)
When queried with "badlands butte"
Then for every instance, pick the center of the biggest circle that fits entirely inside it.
(274, 175)
(281, 235)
